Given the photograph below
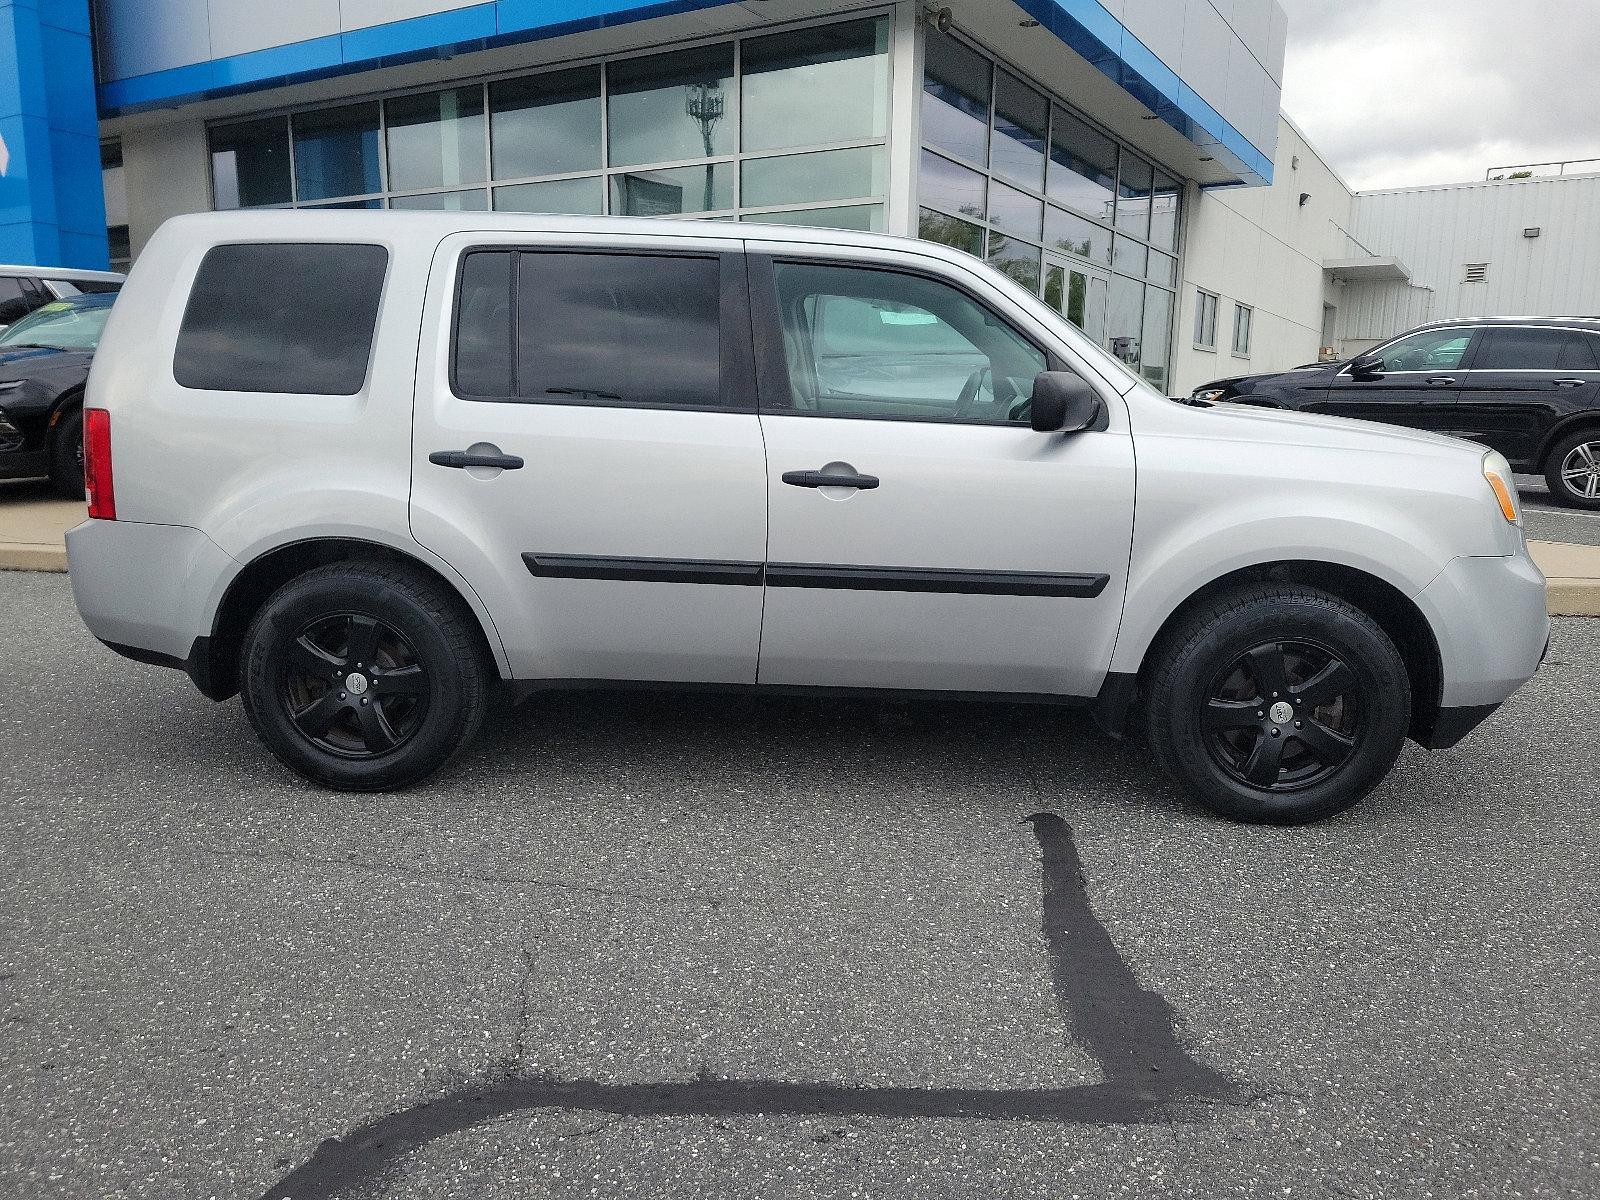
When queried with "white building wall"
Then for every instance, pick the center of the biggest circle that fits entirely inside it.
(168, 171)
(1263, 248)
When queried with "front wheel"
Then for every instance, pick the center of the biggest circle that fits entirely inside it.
(363, 676)
(1278, 704)
(1573, 469)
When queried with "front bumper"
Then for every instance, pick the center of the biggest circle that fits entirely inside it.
(1492, 623)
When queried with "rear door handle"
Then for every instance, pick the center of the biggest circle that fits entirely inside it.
(466, 458)
(1440, 380)
(821, 479)
(1571, 382)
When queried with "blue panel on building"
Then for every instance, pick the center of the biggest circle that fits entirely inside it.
(52, 205)
(1086, 26)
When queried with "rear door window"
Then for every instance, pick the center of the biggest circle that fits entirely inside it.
(575, 327)
(1527, 349)
(288, 317)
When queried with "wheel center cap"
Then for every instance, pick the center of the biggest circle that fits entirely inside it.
(356, 683)
(1282, 712)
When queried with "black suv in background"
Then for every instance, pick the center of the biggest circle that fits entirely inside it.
(1528, 387)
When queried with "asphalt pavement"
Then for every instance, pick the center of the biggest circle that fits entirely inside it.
(665, 946)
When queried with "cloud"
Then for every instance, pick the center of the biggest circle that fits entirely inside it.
(1400, 92)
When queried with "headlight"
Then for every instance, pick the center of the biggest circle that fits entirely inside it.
(1209, 395)
(1497, 472)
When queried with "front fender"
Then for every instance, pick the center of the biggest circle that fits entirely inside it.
(1168, 569)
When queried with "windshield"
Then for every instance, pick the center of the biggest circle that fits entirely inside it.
(62, 325)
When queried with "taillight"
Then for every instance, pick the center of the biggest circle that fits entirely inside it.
(97, 465)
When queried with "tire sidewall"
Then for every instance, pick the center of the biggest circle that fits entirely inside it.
(66, 469)
(1365, 649)
(265, 661)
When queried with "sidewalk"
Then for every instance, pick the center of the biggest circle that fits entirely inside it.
(31, 525)
(31, 529)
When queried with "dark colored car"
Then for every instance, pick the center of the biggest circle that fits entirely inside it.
(1528, 387)
(44, 365)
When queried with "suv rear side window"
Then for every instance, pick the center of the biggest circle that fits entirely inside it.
(16, 299)
(569, 327)
(289, 317)
(1533, 350)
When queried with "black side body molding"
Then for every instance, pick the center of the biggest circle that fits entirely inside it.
(643, 570)
(814, 575)
(907, 579)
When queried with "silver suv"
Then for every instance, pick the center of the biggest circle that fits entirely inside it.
(359, 467)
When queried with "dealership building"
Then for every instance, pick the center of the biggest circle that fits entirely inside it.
(1125, 159)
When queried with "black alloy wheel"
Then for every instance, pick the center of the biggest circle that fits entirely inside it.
(1283, 716)
(365, 675)
(354, 686)
(1276, 702)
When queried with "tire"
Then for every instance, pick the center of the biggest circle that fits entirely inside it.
(1277, 704)
(66, 456)
(1572, 470)
(364, 676)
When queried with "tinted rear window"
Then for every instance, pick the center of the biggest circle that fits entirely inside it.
(589, 328)
(1529, 350)
(282, 317)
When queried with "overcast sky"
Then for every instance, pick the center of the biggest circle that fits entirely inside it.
(1399, 92)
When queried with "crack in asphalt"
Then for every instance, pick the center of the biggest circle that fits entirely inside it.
(1148, 1078)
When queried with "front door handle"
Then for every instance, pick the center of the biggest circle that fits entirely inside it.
(1440, 380)
(822, 479)
(1571, 382)
(469, 458)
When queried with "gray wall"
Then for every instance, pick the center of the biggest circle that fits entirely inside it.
(1437, 231)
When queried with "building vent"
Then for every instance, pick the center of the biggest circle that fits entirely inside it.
(1477, 272)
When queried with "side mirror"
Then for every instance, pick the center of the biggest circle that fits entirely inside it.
(1366, 367)
(1063, 403)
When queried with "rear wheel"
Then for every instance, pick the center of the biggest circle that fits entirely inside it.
(1573, 469)
(66, 456)
(363, 676)
(1278, 704)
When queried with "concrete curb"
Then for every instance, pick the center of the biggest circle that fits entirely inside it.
(30, 556)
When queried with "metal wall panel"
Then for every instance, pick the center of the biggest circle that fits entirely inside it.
(1437, 231)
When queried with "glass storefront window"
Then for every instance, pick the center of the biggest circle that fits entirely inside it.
(954, 188)
(1125, 320)
(955, 99)
(670, 107)
(866, 217)
(545, 124)
(250, 164)
(1020, 117)
(582, 197)
(1156, 349)
(1164, 212)
(826, 175)
(673, 190)
(475, 200)
(1015, 258)
(811, 87)
(1130, 257)
(950, 231)
(1083, 167)
(336, 152)
(1134, 182)
(435, 139)
(1014, 212)
(1076, 235)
